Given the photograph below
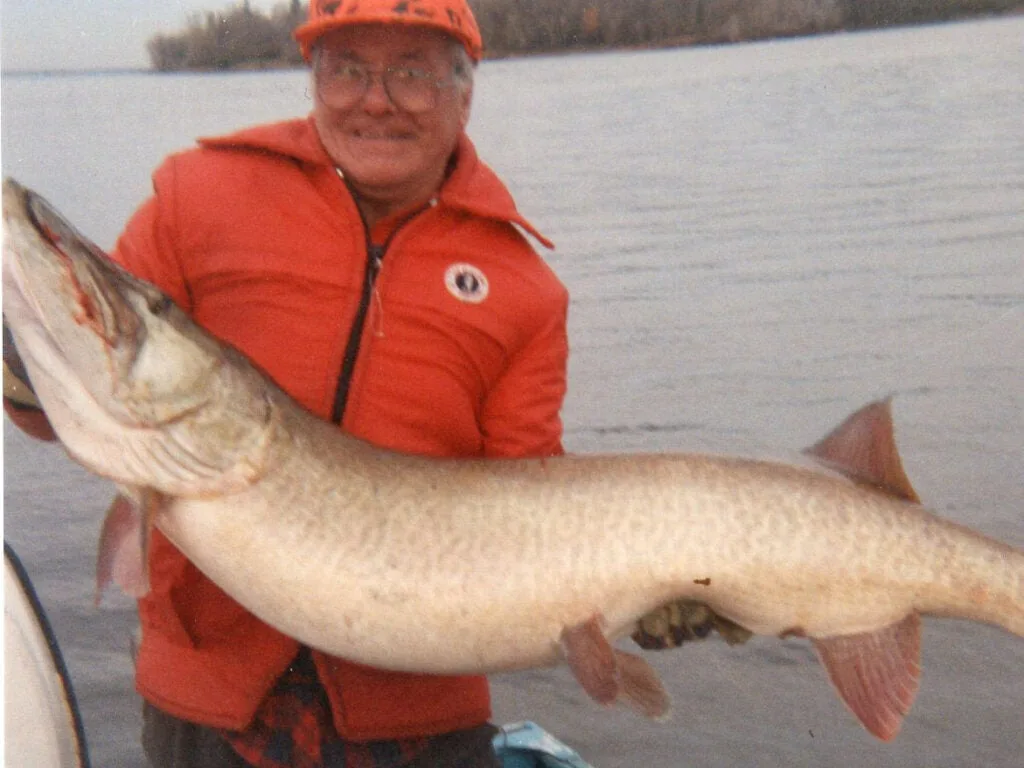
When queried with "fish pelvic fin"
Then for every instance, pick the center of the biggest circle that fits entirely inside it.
(876, 673)
(609, 675)
(641, 687)
(123, 556)
(864, 449)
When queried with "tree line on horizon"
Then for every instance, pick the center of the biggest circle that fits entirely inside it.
(240, 37)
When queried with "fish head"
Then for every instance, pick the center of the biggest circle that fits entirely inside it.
(135, 390)
(118, 333)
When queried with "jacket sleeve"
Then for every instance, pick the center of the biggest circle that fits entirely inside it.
(521, 415)
(150, 245)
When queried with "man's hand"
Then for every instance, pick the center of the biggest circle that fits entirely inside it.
(684, 621)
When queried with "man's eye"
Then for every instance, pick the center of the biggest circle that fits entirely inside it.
(348, 72)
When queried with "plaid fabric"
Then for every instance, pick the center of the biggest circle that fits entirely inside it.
(293, 729)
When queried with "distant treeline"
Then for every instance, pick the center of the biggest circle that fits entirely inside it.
(240, 37)
(236, 38)
(519, 26)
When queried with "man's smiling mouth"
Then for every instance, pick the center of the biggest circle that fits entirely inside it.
(371, 135)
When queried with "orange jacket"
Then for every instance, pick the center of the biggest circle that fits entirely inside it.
(462, 353)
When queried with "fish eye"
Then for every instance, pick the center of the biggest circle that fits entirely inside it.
(159, 304)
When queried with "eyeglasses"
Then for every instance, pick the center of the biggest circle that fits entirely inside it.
(342, 84)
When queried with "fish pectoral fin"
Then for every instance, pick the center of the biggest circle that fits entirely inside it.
(876, 673)
(592, 660)
(119, 558)
(123, 555)
(608, 675)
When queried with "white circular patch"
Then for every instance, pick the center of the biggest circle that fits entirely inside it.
(466, 283)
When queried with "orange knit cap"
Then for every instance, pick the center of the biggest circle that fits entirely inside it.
(452, 17)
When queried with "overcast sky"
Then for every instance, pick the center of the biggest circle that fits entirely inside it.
(92, 34)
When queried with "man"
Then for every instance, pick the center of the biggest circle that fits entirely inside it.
(378, 271)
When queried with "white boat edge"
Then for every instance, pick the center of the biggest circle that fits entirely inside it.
(42, 724)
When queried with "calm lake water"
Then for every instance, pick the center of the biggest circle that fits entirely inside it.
(758, 239)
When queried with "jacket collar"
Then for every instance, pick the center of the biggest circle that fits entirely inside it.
(472, 186)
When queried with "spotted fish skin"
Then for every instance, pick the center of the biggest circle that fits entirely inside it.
(474, 566)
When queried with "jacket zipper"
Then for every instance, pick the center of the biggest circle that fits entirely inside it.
(374, 260)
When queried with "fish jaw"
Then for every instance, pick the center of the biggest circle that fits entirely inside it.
(98, 317)
(66, 361)
(134, 389)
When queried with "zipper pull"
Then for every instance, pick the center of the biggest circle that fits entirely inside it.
(376, 261)
(376, 254)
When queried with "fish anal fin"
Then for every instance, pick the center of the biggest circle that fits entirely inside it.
(641, 687)
(123, 555)
(592, 660)
(864, 449)
(876, 673)
(609, 675)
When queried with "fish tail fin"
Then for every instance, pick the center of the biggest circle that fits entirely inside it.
(876, 673)
(609, 675)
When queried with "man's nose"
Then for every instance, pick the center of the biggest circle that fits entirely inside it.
(376, 98)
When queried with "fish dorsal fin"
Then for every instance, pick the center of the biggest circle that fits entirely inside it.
(864, 449)
(608, 674)
(876, 673)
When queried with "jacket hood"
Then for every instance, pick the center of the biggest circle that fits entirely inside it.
(472, 186)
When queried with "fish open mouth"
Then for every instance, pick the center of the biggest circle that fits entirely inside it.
(37, 210)
(55, 279)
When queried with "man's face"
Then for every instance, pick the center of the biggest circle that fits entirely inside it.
(387, 152)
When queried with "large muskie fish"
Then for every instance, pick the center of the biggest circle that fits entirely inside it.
(463, 566)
